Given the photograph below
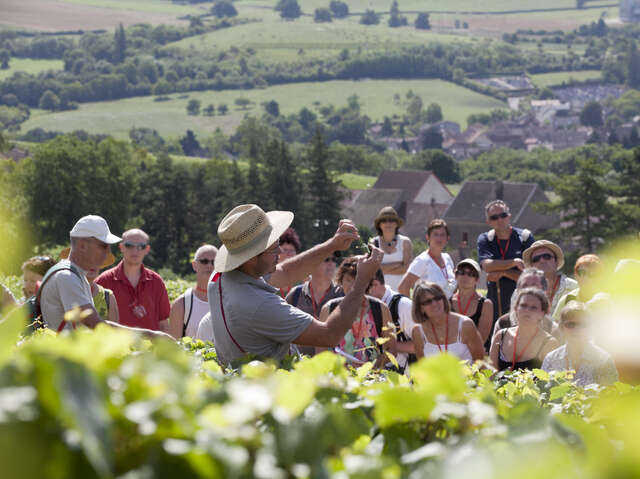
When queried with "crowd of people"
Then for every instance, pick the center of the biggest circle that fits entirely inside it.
(260, 295)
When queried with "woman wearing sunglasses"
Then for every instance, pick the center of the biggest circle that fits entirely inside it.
(438, 330)
(468, 302)
(591, 364)
(526, 344)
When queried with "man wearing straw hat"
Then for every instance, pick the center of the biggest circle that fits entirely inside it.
(548, 257)
(247, 314)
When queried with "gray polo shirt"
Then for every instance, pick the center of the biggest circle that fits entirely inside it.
(257, 318)
(62, 292)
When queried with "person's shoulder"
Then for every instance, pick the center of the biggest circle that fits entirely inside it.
(483, 237)
(403, 238)
(557, 353)
(179, 300)
(108, 275)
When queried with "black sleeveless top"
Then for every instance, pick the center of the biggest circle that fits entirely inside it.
(533, 363)
(476, 316)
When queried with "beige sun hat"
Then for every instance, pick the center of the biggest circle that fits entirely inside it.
(528, 253)
(470, 262)
(246, 232)
(388, 213)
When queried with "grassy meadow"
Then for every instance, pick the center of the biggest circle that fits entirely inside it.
(551, 79)
(29, 65)
(170, 117)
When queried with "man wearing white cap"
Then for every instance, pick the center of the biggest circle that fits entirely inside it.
(247, 314)
(65, 285)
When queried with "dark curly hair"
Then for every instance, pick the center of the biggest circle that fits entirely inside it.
(290, 236)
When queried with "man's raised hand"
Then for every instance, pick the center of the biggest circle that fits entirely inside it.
(346, 234)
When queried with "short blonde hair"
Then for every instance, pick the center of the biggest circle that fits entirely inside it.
(433, 289)
(572, 309)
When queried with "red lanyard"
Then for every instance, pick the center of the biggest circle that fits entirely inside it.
(283, 292)
(446, 336)
(315, 305)
(555, 289)
(218, 277)
(443, 269)
(503, 253)
(515, 347)
(460, 310)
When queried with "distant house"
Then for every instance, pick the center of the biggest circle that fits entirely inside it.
(466, 216)
(417, 195)
(630, 11)
(16, 154)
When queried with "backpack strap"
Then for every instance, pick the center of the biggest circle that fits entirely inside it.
(376, 311)
(188, 306)
(106, 299)
(394, 305)
(53, 270)
(297, 291)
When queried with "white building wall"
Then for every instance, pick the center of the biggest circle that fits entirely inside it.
(433, 192)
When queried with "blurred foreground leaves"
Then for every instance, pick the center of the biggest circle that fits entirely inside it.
(107, 403)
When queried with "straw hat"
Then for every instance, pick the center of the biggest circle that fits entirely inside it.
(246, 232)
(109, 260)
(388, 213)
(557, 251)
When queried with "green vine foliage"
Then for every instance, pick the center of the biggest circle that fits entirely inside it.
(108, 403)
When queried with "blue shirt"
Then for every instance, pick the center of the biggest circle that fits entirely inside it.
(490, 249)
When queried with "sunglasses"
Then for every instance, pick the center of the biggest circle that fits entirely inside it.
(547, 256)
(467, 272)
(504, 214)
(573, 325)
(428, 302)
(206, 261)
(138, 246)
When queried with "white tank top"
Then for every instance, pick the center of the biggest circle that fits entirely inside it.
(393, 280)
(458, 348)
(198, 310)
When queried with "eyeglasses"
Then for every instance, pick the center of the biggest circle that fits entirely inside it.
(547, 256)
(138, 246)
(573, 324)
(504, 214)
(206, 261)
(388, 220)
(467, 272)
(427, 302)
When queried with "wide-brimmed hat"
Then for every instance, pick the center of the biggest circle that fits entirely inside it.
(470, 262)
(557, 251)
(246, 232)
(109, 260)
(93, 226)
(388, 213)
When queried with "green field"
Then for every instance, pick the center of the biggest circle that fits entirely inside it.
(30, 66)
(276, 39)
(308, 6)
(551, 79)
(170, 117)
(357, 182)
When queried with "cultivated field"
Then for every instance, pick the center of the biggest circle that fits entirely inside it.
(170, 117)
(551, 79)
(57, 15)
(30, 66)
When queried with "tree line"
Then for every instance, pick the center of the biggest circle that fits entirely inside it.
(178, 203)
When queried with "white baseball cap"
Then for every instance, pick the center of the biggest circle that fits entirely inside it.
(93, 226)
